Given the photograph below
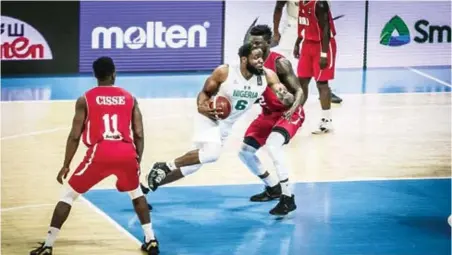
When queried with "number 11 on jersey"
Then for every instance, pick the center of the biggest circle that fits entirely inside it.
(111, 131)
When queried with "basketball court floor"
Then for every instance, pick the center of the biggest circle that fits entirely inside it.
(380, 184)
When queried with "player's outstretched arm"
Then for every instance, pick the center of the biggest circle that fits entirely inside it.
(211, 87)
(73, 140)
(137, 129)
(288, 77)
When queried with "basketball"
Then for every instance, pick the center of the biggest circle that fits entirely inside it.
(222, 104)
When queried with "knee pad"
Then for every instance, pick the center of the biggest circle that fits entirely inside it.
(209, 153)
(246, 151)
(69, 195)
(283, 132)
(187, 170)
(136, 193)
(251, 141)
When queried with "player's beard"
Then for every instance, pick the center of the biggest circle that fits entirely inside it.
(253, 69)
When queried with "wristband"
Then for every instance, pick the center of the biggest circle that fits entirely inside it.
(323, 55)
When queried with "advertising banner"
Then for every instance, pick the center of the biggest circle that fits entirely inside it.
(39, 37)
(349, 21)
(152, 36)
(409, 33)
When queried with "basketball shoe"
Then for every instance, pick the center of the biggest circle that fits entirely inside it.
(151, 247)
(285, 205)
(270, 193)
(157, 174)
(325, 126)
(335, 99)
(42, 250)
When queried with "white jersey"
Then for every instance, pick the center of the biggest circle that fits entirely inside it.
(289, 32)
(241, 93)
(292, 11)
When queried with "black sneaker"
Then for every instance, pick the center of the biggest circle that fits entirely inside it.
(157, 174)
(151, 247)
(286, 205)
(144, 189)
(335, 99)
(270, 193)
(42, 250)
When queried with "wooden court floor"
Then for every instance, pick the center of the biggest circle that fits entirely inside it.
(377, 136)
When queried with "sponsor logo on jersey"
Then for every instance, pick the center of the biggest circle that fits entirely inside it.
(21, 41)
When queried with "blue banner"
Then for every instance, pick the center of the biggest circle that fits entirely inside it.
(152, 36)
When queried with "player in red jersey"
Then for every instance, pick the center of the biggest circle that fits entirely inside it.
(317, 57)
(284, 40)
(109, 121)
(280, 119)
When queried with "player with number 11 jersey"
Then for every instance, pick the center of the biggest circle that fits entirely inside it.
(110, 115)
(109, 122)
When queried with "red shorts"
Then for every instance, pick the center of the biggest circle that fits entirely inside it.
(308, 63)
(104, 159)
(263, 125)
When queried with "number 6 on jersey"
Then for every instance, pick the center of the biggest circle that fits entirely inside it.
(241, 104)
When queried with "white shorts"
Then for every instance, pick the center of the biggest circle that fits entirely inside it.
(288, 39)
(287, 43)
(209, 131)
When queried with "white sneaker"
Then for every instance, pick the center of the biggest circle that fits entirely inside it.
(325, 126)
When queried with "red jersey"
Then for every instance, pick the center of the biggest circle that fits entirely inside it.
(308, 24)
(270, 102)
(109, 115)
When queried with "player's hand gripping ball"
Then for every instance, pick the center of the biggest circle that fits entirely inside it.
(222, 106)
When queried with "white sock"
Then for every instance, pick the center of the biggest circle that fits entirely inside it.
(270, 181)
(148, 232)
(248, 156)
(51, 236)
(275, 143)
(171, 165)
(187, 170)
(285, 188)
(326, 114)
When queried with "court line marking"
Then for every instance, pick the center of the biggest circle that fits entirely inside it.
(313, 181)
(40, 132)
(109, 219)
(429, 77)
(135, 219)
(46, 131)
(10, 209)
(193, 98)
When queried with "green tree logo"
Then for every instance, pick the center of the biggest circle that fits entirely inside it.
(395, 24)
